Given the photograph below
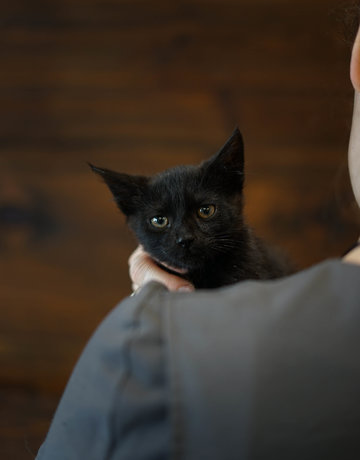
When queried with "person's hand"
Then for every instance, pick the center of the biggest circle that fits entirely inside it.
(143, 269)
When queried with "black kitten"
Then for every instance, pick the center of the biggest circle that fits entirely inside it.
(190, 219)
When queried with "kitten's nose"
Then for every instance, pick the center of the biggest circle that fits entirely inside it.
(185, 241)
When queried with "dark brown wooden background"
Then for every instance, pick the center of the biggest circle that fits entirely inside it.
(138, 86)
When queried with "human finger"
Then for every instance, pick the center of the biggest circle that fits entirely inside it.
(143, 269)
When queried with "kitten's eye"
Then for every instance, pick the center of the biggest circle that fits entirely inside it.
(159, 221)
(205, 212)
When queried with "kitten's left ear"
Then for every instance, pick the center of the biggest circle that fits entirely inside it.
(226, 168)
(231, 156)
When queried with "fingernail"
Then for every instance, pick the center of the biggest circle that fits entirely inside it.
(185, 289)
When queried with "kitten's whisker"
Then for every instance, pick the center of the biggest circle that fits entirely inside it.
(223, 245)
(223, 242)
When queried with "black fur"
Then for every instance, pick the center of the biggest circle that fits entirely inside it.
(214, 251)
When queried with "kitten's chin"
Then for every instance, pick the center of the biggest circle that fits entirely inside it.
(177, 270)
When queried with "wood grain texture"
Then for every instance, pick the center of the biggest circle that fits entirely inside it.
(140, 86)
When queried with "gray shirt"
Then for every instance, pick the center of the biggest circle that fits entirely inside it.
(258, 370)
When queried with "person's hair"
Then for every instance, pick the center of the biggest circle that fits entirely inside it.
(351, 20)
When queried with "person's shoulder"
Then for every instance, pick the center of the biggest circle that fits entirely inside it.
(325, 280)
(317, 282)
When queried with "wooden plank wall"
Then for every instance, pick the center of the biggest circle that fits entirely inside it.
(138, 86)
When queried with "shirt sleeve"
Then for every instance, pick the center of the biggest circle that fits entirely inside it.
(115, 405)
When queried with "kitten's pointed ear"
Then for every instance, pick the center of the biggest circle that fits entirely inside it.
(127, 189)
(227, 166)
(231, 156)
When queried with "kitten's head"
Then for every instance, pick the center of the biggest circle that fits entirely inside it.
(186, 216)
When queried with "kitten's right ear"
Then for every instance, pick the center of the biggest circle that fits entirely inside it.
(127, 189)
